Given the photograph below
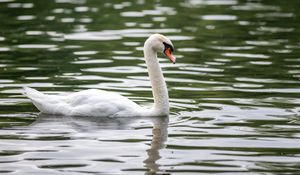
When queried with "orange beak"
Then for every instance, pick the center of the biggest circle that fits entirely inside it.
(168, 52)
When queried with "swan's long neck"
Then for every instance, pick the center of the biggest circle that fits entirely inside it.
(159, 87)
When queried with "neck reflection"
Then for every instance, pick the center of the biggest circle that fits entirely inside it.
(160, 134)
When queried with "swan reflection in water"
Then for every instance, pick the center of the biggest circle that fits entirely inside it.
(65, 125)
(160, 135)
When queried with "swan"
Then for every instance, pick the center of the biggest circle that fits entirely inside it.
(100, 103)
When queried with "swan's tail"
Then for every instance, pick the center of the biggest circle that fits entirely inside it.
(29, 92)
(36, 97)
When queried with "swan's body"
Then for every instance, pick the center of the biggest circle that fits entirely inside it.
(91, 102)
(99, 103)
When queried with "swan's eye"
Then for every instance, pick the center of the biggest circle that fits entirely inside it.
(168, 47)
(168, 52)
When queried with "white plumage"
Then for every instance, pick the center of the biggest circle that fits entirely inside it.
(90, 102)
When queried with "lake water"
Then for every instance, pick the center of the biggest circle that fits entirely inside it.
(234, 91)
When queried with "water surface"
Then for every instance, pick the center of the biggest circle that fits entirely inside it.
(234, 91)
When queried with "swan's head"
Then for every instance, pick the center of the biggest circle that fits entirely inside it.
(160, 43)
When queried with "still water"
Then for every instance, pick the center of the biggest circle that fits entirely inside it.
(234, 92)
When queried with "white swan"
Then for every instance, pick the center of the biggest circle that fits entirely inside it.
(99, 103)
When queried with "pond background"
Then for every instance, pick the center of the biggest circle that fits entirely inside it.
(234, 91)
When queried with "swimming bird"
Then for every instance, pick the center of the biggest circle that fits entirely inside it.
(100, 103)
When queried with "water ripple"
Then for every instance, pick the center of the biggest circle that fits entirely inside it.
(219, 17)
(245, 55)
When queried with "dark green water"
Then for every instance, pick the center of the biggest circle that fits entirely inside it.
(234, 92)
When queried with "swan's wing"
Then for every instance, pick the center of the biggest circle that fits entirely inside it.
(99, 103)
